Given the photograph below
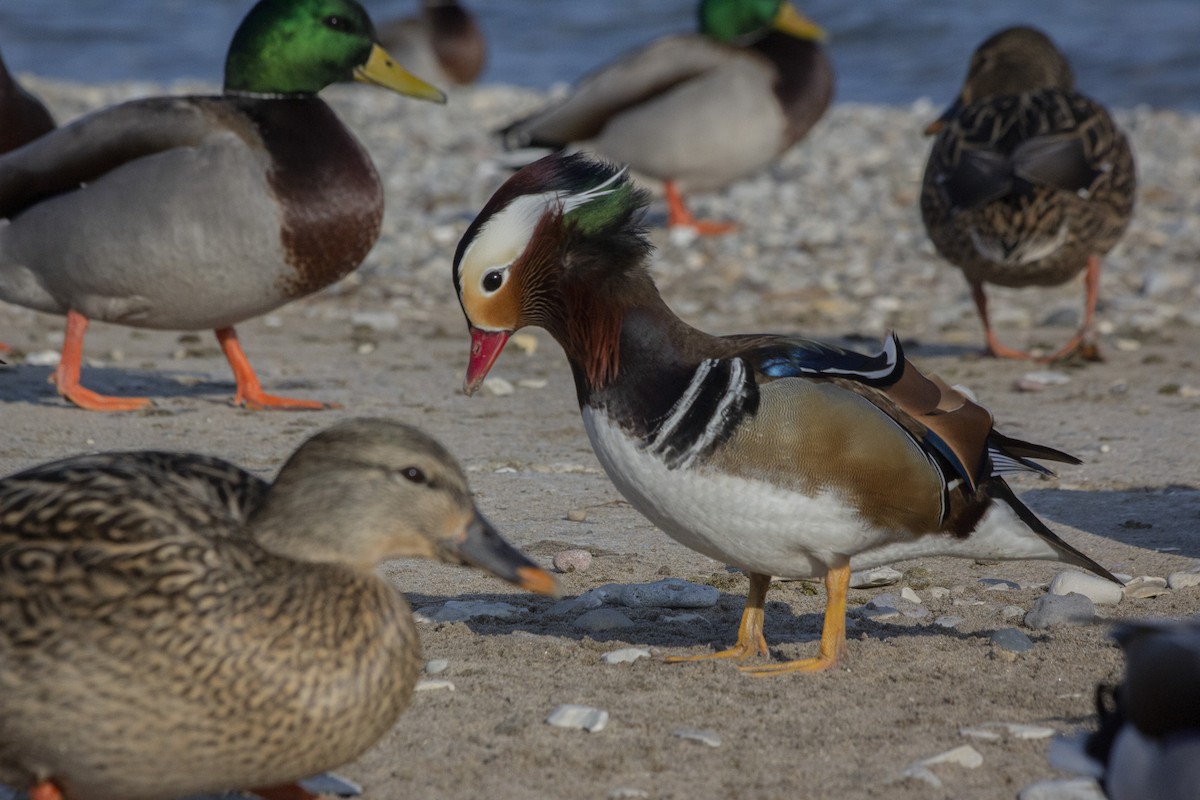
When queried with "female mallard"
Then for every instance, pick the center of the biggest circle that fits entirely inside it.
(698, 111)
(1029, 181)
(200, 212)
(171, 624)
(444, 43)
(23, 118)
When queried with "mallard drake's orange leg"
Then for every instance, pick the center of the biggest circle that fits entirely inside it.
(46, 790)
(249, 391)
(678, 214)
(750, 640)
(287, 791)
(66, 374)
(1084, 342)
(994, 347)
(833, 633)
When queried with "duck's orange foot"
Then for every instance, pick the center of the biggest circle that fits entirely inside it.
(261, 401)
(87, 399)
(740, 651)
(46, 790)
(678, 216)
(706, 227)
(249, 391)
(817, 664)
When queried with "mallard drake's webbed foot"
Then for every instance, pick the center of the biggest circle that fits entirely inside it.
(750, 640)
(66, 374)
(249, 391)
(833, 633)
(679, 216)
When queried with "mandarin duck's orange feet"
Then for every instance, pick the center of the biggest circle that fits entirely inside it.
(46, 790)
(66, 375)
(287, 791)
(750, 640)
(833, 633)
(249, 391)
(679, 216)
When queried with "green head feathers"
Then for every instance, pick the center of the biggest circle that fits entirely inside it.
(298, 46)
(731, 21)
(607, 198)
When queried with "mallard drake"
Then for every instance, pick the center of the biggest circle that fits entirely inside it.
(183, 213)
(1029, 182)
(1148, 745)
(698, 111)
(171, 624)
(23, 118)
(444, 43)
(776, 454)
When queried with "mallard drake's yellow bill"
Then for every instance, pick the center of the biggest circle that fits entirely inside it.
(382, 70)
(789, 20)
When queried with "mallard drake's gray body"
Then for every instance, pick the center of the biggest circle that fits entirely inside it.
(201, 212)
(697, 111)
(23, 118)
(1029, 182)
(171, 624)
(443, 44)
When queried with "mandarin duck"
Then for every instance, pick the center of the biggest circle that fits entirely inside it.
(184, 213)
(780, 455)
(444, 43)
(1028, 182)
(697, 111)
(171, 624)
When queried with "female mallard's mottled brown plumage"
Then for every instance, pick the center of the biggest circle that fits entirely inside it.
(1029, 181)
(171, 624)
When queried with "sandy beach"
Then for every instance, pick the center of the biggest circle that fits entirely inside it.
(830, 245)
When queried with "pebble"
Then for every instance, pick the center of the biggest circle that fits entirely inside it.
(873, 578)
(375, 320)
(1099, 590)
(434, 685)
(993, 731)
(460, 610)
(603, 619)
(498, 387)
(626, 655)
(998, 585)
(710, 738)
(436, 666)
(43, 358)
(577, 515)
(1146, 586)
(939, 592)
(1051, 610)
(908, 594)
(572, 560)
(669, 593)
(585, 718)
(889, 601)
(331, 783)
(1183, 580)
(963, 756)
(1037, 381)
(1065, 789)
(1012, 612)
(1011, 640)
(948, 621)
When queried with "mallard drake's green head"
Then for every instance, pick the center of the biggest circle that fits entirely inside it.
(301, 46)
(735, 20)
(561, 215)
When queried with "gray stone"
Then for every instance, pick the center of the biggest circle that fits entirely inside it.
(331, 783)
(1052, 610)
(626, 655)
(1066, 789)
(948, 621)
(998, 585)
(1100, 591)
(585, 718)
(603, 619)
(1183, 580)
(577, 560)
(872, 578)
(1012, 640)
(436, 666)
(669, 593)
(460, 610)
(710, 738)
(1012, 612)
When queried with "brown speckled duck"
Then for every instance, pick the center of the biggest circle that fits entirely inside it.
(1029, 182)
(698, 111)
(190, 213)
(23, 118)
(171, 624)
(443, 44)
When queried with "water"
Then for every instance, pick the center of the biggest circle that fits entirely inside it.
(1125, 52)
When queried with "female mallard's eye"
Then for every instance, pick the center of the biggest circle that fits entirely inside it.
(493, 280)
(413, 474)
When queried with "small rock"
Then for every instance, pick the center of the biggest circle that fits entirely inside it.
(992, 731)
(670, 593)
(1012, 612)
(1061, 609)
(626, 655)
(1066, 789)
(1099, 590)
(1037, 381)
(498, 387)
(998, 585)
(460, 610)
(1183, 580)
(603, 619)
(577, 515)
(710, 738)
(948, 621)
(963, 756)
(436, 666)
(572, 560)
(872, 578)
(533, 383)
(939, 592)
(879, 613)
(1145, 586)
(570, 715)
(43, 358)
(331, 783)
(375, 320)
(982, 734)
(433, 685)
(898, 603)
(909, 595)
(1011, 640)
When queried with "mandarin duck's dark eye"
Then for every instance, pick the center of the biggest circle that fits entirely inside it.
(493, 280)
(413, 474)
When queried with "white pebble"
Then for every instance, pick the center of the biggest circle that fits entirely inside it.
(433, 685)
(1099, 590)
(1065, 789)
(710, 738)
(872, 578)
(436, 666)
(939, 592)
(577, 515)
(43, 358)
(586, 718)
(963, 756)
(572, 560)
(909, 595)
(498, 387)
(1145, 586)
(626, 655)
(1183, 580)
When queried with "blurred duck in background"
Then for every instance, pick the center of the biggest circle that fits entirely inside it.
(444, 44)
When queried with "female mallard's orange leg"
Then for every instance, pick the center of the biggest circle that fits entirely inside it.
(249, 392)
(994, 347)
(1084, 342)
(46, 790)
(66, 375)
(678, 214)
(287, 791)
(833, 633)
(750, 640)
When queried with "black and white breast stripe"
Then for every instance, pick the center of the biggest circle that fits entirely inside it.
(721, 393)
